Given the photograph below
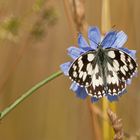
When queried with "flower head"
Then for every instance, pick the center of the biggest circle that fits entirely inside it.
(112, 39)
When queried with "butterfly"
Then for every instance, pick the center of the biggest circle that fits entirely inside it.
(103, 71)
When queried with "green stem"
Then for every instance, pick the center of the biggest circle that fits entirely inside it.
(28, 93)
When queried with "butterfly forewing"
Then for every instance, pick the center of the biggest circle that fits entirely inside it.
(122, 63)
(82, 68)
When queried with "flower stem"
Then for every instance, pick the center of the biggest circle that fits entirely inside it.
(28, 93)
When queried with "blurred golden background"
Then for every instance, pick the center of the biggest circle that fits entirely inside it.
(34, 36)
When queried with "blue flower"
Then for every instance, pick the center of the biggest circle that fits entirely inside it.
(112, 39)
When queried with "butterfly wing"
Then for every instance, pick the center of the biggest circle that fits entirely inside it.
(120, 68)
(122, 63)
(82, 68)
(97, 88)
(113, 83)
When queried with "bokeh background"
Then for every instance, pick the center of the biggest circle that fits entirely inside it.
(34, 36)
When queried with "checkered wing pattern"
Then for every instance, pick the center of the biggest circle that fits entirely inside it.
(82, 69)
(108, 78)
(120, 68)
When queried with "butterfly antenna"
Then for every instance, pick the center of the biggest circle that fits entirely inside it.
(113, 26)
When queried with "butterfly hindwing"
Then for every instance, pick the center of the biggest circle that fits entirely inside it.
(113, 83)
(82, 68)
(97, 88)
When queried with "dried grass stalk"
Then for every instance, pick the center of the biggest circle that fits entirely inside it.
(78, 11)
(117, 125)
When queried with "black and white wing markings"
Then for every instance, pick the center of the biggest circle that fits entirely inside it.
(97, 88)
(113, 83)
(82, 68)
(118, 68)
(122, 63)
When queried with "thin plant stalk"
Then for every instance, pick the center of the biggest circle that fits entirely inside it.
(78, 12)
(7, 110)
(105, 26)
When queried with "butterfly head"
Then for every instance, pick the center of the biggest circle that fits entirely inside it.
(99, 46)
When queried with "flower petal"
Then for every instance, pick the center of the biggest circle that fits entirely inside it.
(87, 49)
(133, 53)
(112, 97)
(65, 67)
(109, 39)
(75, 52)
(82, 42)
(94, 99)
(123, 92)
(80, 91)
(94, 36)
(135, 74)
(129, 81)
(121, 39)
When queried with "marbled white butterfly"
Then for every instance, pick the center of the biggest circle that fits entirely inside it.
(103, 71)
